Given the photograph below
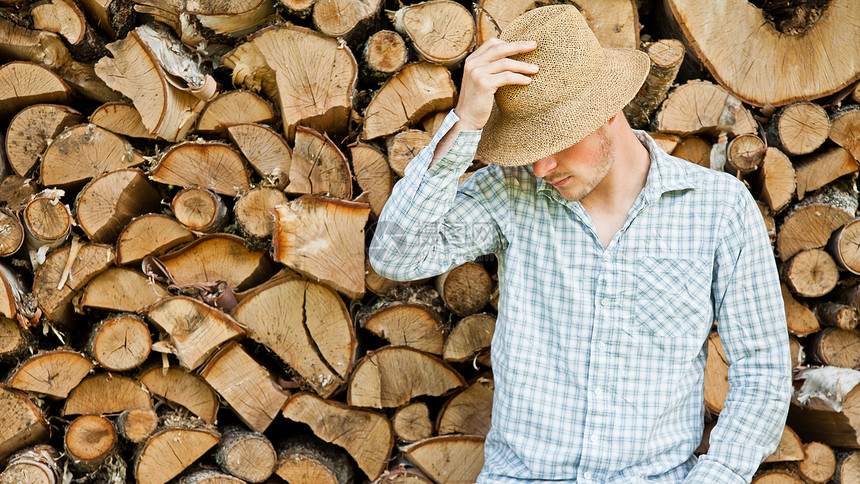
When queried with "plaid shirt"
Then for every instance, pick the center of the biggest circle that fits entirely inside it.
(599, 355)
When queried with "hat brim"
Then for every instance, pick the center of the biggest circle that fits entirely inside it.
(517, 140)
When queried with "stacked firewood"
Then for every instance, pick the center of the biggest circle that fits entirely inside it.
(188, 192)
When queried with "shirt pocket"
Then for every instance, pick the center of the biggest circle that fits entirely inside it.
(673, 296)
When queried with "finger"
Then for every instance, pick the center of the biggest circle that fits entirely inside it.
(506, 64)
(506, 49)
(509, 78)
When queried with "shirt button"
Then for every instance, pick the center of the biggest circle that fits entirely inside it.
(586, 475)
(594, 439)
(604, 302)
(601, 345)
(598, 391)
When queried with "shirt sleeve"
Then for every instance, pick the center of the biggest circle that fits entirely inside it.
(429, 224)
(751, 323)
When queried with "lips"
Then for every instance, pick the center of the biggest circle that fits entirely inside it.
(559, 182)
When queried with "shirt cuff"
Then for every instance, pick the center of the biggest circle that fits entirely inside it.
(459, 156)
(708, 471)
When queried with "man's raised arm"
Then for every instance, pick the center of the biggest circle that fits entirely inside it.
(427, 225)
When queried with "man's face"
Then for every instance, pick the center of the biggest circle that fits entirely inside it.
(576, 171)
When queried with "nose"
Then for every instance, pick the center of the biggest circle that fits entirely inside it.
(544, 166)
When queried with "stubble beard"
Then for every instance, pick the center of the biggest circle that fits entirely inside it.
(577, 189)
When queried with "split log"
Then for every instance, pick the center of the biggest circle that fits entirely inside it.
(137, 424)
(151, 234)
(14, 340)
(207, 476)
(384, 54)
(810, 223)
(219, 257)
(121, 118)
(315, 78)
(836, 347)
(32, 129)
(309, 460)
(377, 284)
(844, 246)
(15, 192)
(411, 422)
(199, 210)
(716, 375)
(448, 459)
(776, 179)
(33, 465)
(373, 174)
(298, 8)
(48, 49)
(393, 375)
(666, 57)
(247, 455)
(53, 373)
(146, 68)
(698, 106)
(471, 335)
(413, 325)
(407, 97)
(695, 150)
(748, 35)
(64, 17)
(254, 211)
(816, 170)
(265, 150)
(251, 71)
(465, 289)
(492, 16)
(106, 393)
(64, 274)
(403, 474)
(120, 289)
(845, 129)
(798, 355)
(848, 469)
(21, 422)
(169, 451)
(47, 223)
(11, 233)
(89, 441)
(234, 107)
(12, 304)
(824, 409)
(819, 464)
(120, 343)
(215, 166)
(404, 146)
(468, 412)
(304, 246)
(799, 128)
(26, 83)
(307, 325)
(790, 448)
(615, 24)
(82, 152)
(352, 21)
(441, 31)
(196, 329)
(836, 315)
(432, 122)
(108, 203)
(811, 273)
(744, 154)
(113, 17)
(246, 386)
(318, 167)
(199, 24)
(366, 435)
(182, 387)
(777, 477)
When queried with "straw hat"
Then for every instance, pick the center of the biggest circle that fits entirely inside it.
(579, 87)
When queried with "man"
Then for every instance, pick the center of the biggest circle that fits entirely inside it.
(614, 260)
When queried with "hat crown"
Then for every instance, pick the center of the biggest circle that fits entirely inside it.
(568, 54)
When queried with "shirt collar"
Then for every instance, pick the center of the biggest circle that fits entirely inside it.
(664, 175)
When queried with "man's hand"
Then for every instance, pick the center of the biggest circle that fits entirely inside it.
(486, 70)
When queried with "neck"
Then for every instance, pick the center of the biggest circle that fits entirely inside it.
(627, 174)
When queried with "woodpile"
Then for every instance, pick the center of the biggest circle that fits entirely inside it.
(187, 193)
